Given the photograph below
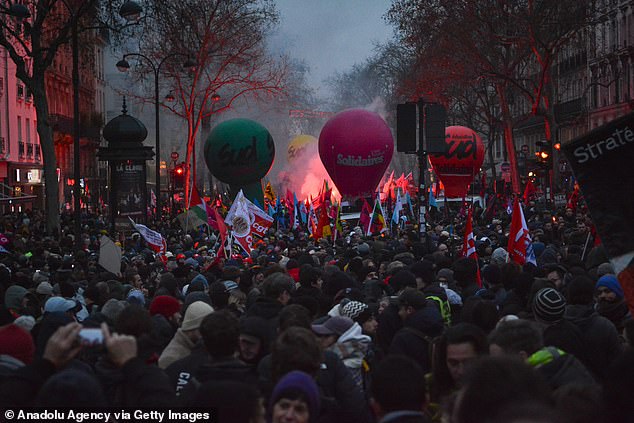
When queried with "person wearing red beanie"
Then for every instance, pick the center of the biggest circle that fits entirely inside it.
(17, 343)
(168, 307)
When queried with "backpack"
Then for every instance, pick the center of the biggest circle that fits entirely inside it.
(444, 307)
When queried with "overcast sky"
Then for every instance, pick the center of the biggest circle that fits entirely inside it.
(331, 35)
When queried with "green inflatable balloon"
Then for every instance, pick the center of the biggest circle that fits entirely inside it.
(239, 152)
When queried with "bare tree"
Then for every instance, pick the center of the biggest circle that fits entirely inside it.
(512, 43)
(32, 44)
(226, 43)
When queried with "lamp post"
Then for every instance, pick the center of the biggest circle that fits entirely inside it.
(131, 12)
(124, 66)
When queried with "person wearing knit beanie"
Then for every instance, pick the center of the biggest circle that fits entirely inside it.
(17, 343)
(354, 309)
(611, 302)
(165, 305)
(363, 315)
(614, 290)
(549, 305)
(187, 335)
(295, 396)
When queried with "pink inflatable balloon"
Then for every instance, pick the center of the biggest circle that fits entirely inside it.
(356, 147)
(460, 162)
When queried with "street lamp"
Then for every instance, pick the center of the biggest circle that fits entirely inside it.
(19, 12)
(131, 11)
(124, 66)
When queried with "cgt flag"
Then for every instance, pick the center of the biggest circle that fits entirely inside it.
(468, 244)
(246, 220)
(520, 246)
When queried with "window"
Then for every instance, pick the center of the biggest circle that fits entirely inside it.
(20, 91)
(28, 131)
(19, 129)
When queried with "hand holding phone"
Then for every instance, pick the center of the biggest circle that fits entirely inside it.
(91, 337)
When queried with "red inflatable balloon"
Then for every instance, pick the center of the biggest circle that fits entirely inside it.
(356, 147)
(460, 162)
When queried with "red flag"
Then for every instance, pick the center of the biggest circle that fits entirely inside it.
(290, 202)
(529, 191)
(222, 228)
(323, 226)
(520, 246)
(468, 244)
(574, 199)
(364, 219)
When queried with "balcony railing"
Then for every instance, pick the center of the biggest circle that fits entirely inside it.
(29, 150)
(37, 153)
(3, 146)
(21, 149)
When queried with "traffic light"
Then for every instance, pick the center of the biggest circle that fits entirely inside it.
(179, 176)
(544, 153)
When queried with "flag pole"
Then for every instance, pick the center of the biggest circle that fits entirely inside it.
(585, 246)
(187, 206)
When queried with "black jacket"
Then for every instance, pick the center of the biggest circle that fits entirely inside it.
(599, 334)
(137, 385)
(230, 369)
(182, 371)
(389, 324)
(564, 370)
(341, 399)
(414, 340)
(268, 309)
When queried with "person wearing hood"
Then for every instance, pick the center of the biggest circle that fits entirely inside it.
(186, 336)
(611, 302)
(523, 338)
(19, 302)
(347, 340)
(599, 334)
(254, 339)
(499, 256)
(422, 322)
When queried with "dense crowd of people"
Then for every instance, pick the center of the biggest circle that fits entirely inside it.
(387, 328)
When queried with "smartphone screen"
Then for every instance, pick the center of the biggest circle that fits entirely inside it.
(91, 336)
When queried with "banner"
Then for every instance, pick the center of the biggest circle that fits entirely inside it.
(153, 238)
(109, 255)
(602, 163)
(259, 220)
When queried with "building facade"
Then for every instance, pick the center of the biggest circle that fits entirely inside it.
(21, 179)
(593, 83)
